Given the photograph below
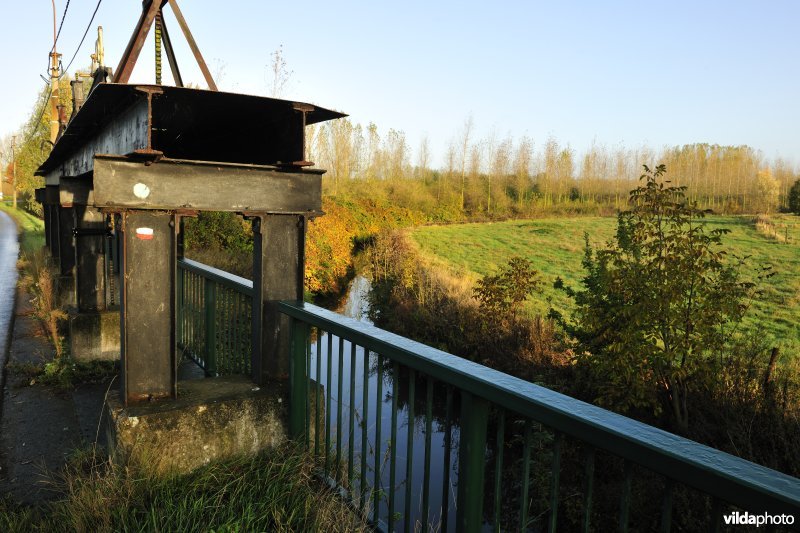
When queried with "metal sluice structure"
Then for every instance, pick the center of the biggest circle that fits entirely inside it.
(136, 160)
(485, 450)
(412, 436)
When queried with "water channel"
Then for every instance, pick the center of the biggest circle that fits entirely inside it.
(331, 358)
(9, 249)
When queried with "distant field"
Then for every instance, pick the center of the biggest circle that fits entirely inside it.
(556, 248)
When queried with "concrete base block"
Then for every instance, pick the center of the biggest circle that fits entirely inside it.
(212, 419)
(94, 336)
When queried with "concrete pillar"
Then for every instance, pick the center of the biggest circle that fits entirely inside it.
(90, 263)
(66, 259)
(53, 230)
(66, 223)
(94, 330)
(46, 211)
(147, 279)
(279, 260)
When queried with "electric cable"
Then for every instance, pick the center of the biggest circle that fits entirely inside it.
(39, 119)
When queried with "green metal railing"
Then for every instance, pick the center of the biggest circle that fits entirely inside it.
(420, 439)
(214, 318)
(509, 454)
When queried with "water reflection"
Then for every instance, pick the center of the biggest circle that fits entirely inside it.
(346, 373)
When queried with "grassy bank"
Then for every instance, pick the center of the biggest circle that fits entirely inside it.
(556, 247)
(740, 403)
(31, 228)
(274, 491)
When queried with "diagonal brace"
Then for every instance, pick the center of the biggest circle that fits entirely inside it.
(131, 54)
(193, 45)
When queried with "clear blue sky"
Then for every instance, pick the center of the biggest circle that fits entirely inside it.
(630, 72)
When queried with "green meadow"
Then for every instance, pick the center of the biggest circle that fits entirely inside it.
(30, 227)
(556, 247)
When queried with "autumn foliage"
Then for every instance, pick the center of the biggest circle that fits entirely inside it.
(332, 238)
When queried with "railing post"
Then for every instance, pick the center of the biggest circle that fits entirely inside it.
(210, 357)
(179, 311)
(471, 462)
(298, 381)
(180, 275)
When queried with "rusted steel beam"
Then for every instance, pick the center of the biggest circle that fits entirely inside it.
(145, 119)
(170, 184)
(131, 54)
(173, 62)
(193, 45)
(125, 133)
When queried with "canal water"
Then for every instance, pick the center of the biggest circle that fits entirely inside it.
(331, 358)
(9, 249)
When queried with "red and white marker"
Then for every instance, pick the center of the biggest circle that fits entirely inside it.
(145, 234)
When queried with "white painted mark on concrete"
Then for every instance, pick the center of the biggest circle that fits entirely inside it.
(140, 190)
(145, 234)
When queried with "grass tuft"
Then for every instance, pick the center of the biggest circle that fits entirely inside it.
(273, 491)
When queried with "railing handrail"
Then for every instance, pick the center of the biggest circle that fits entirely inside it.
(719, 474)
(226, 279)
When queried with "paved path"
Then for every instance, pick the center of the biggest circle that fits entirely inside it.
(39, 426)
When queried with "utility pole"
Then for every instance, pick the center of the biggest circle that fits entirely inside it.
(14, 170)
(54, 60)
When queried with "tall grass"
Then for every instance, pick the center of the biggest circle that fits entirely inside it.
(38, 278)
(273, 491)
(38, 274)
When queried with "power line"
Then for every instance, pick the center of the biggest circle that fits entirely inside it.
(88, 27)
(39, 119)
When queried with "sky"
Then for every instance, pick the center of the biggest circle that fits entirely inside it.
(629, 73)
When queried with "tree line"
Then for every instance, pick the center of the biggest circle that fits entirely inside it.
(490, 177)
(31, 147)
(503, 176)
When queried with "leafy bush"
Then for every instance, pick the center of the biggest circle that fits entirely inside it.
(657, 302)
(502, 294)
